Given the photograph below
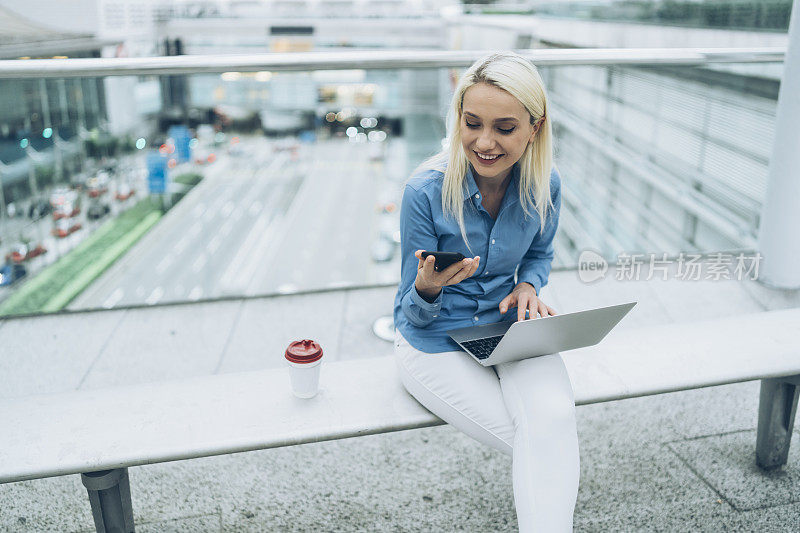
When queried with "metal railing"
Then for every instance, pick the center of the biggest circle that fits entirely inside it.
(378, 59)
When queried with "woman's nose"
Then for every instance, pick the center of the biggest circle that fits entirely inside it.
(485, 142)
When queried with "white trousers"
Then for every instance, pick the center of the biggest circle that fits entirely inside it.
(525, 409)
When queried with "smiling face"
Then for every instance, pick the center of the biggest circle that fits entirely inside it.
(495, 130)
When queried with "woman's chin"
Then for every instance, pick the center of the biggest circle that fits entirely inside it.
(488, 171)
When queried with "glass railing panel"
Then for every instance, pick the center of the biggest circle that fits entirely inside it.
(292, 181)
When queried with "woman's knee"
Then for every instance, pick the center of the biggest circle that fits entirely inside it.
(543, 391)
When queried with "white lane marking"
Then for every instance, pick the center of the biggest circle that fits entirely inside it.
(240, 272)
(155, 296)
(214, 244)
(227, 209)
(164, 264)
(181, 245)
(198, 210)
(196, 293)
(199, 263)
(255, 207)
(115, 297)
(226, 228)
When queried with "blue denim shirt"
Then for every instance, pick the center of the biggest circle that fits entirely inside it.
(514, 243)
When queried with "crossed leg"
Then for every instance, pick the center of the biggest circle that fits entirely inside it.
(524, 409)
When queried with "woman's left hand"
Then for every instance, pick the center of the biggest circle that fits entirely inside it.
(524, 298)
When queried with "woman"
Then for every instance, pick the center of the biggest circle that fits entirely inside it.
(493, 195)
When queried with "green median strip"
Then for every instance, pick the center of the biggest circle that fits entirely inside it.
(58, 284)
(82, 280)
(55, 286)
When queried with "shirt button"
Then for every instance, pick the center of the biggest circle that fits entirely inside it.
(486, 272)
(475, 318)
(478, 196)
(434, 316)
(492, 241)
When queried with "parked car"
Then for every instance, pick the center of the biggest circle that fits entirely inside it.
(36, 251)
(65, 227)
(21, 252)
(98, 185)
(11, 273)
(97, 210)
(124, 192)
(39, 208)
(66, 203)
(18, 253)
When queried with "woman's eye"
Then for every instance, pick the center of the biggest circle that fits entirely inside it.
(501, 130)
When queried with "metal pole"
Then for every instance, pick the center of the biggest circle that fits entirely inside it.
(48, 123)
(62, 98)
(81, 120)
(110, 499)
(779, 242)
(31, 161)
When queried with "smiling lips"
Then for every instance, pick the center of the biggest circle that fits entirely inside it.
(487, 159)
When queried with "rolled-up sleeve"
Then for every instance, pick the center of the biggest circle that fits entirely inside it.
(534, 268)
(416, 233)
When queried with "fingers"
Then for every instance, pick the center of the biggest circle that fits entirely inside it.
(475, 263)
(524, 303)
(462, 270)
(451, 275)
(505, 303)
(542, 309)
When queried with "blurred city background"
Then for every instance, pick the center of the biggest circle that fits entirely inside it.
(140, 190)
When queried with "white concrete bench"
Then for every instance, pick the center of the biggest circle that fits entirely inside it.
(100, 433)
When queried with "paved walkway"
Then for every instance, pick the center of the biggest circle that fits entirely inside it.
(675, 462)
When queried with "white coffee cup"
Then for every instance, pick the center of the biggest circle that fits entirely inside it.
(304, 358)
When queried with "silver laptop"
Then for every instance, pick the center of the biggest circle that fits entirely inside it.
(501, 342)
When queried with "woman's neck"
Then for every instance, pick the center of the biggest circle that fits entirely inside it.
(492, 186)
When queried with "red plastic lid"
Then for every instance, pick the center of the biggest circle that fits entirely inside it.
(304, 351)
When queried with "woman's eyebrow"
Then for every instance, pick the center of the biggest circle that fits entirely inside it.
(504, 119)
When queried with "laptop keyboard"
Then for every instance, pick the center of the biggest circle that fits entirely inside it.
(482, 348)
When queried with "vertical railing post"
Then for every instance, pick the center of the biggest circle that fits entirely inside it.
(110, 498)
(778, 243)
(776, 410)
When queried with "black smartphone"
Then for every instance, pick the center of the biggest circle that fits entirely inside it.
(443, 259)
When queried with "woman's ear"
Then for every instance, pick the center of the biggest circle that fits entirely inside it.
(536, 127)
(534, 132)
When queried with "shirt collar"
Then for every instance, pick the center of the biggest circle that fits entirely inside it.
(472, 187)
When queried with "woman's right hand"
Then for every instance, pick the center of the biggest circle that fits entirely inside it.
(429, 282)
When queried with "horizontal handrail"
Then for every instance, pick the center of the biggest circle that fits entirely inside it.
(377, 59)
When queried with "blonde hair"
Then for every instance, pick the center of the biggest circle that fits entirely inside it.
(517, 76)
